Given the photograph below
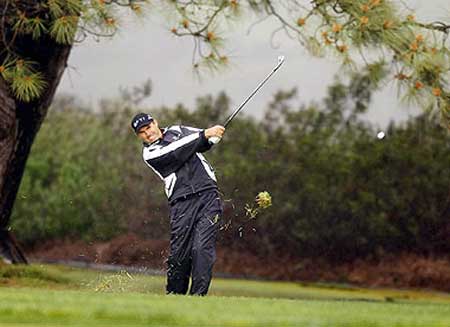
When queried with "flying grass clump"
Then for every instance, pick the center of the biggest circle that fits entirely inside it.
(113, 283)
(263, 201)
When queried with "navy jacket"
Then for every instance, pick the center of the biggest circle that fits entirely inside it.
(177, 159)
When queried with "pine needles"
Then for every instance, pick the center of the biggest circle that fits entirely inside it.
(373, 35)
(64, 21)
(26, 83)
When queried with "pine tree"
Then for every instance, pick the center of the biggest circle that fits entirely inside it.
(36, 38)
(64, 21)
(364, 34)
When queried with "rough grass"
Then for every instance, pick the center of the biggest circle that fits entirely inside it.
(31, 276)
(60, 296)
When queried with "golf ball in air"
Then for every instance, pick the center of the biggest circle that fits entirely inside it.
(380, 135)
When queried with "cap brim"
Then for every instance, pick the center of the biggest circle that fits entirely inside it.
(142, 124)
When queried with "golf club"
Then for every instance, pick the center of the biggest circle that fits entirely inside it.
(215, 139)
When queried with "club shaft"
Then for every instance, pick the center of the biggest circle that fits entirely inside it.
(250, 96)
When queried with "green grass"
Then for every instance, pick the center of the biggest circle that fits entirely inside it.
(61, 296)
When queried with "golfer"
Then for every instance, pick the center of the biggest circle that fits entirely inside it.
(175, 155)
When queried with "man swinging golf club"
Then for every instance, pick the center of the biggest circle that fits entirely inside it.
(175, 155)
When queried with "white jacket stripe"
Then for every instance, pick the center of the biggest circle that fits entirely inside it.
(207, 167)
(158, 152)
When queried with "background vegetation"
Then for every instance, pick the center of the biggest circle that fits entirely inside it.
(338, 191)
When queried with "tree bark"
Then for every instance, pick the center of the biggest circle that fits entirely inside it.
(19, 124)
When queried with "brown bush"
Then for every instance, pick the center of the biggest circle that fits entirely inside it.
(405, 270)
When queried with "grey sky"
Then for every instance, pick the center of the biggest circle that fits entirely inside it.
(147, 49)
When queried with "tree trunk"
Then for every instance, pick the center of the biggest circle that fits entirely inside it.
(19, 124)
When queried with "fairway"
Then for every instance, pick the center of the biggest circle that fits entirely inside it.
(60, 296)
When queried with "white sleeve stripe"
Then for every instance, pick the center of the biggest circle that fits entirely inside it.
(192, 128)
(171, 147)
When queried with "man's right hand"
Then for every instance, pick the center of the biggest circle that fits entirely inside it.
(215, 131)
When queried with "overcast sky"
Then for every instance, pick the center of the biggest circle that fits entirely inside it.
(148, 50)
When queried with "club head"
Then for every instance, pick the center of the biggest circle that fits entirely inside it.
(280, 60)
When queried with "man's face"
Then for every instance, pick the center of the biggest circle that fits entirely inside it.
(150, 133)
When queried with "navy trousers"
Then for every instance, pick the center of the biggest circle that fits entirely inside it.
(194, 224)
